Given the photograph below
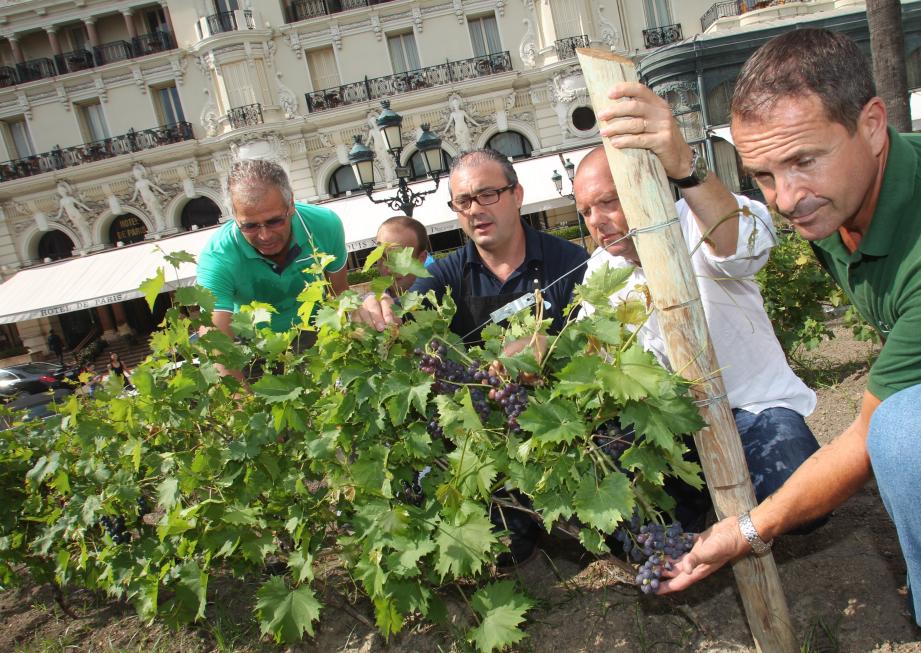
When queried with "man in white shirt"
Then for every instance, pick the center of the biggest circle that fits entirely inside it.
(769, 401)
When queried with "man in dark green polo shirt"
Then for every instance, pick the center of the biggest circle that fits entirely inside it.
(810, 129)
(264, 252)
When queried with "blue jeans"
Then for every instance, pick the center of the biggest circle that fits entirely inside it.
(894, 445)
(776, 442)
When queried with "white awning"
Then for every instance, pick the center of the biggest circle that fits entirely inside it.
(116, 274)
(96, 279)
(722, 132)
(361, 217)
(914, 103)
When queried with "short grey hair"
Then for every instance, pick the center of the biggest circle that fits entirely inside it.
(475, 157)
(250, 178)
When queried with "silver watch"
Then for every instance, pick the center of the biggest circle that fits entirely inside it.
(759, 546)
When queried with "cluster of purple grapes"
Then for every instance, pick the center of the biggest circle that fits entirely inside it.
(116, 528)
(450, 376)
(652, 546)
(612, 440)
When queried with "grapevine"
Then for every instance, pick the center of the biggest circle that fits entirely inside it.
(382, 451)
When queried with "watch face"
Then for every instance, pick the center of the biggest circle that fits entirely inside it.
(700, 168)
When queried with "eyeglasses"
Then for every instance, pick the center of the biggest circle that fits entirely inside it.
(483, 198)
(253, 227)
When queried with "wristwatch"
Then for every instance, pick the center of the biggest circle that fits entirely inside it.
(759, 546)
(699, 172)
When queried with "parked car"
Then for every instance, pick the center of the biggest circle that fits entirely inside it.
(37, 406)
(35, 377)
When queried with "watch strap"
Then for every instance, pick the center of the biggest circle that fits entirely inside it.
(750, 533)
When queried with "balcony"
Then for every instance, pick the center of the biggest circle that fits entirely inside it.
(58, 158)
(566, 48)
(656, 37)
(77, 60)
(719, 10)
(306, 9)
(226, 21)
(414, 80)
(245, 116)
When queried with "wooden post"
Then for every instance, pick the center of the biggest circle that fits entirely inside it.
(643, 190)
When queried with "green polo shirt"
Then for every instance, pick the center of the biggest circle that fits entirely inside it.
(237, 274)
(883, 277)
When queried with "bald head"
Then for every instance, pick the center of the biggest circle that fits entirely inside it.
(599, 204)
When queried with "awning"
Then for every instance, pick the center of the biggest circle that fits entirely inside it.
(914, 104)
(722, 132)
(116, 274)
(96, 279)
(361, 217)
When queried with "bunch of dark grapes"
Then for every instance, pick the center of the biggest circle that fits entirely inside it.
(143, 509)
(652, 546)
(612, 440)
(514, 399)
(116, 528)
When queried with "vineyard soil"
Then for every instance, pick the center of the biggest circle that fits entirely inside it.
(844, 584)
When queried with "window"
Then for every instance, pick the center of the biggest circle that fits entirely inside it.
(77, 36)
(321, 64)
(155, 20)
(93, 122)
(511, 144)
(567, 20)
(169, 109)
(240, 81)
(417, 167)
(55, 245)
(403, 52)
(658, 13)
(225, 5)
(484, 33)
(342, 181)
(18, 141)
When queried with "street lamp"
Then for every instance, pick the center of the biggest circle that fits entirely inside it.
(362, 160)
(557, 179)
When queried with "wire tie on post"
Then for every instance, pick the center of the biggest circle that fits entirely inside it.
(709, 400)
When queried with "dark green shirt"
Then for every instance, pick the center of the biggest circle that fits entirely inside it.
(883, 277)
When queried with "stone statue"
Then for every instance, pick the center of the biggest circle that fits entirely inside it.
(459, 122)
(148, 190)
(381, 153)
(71, 207)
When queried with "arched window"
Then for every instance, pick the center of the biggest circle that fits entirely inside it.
(127, 228)
(342, 181)
(55, 245)
(913, 69)
(511, 144)
(200, 212)
(417, 167)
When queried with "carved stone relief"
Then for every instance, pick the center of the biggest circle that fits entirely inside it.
(527, 49)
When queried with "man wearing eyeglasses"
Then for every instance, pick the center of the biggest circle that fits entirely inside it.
(504, 259)
(264, 252)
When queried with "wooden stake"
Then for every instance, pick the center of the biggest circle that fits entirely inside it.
(643, 189)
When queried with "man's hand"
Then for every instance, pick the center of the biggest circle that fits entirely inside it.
(721, 543)
(641, 119)
(376, 312)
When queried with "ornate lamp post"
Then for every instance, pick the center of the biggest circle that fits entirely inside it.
(557, 179)
(362, 160)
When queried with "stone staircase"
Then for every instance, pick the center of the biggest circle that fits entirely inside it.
(130, 354)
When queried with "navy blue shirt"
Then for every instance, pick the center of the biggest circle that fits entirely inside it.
(552, 256)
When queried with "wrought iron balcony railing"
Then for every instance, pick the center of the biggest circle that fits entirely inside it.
(245, 116)
(414, 80)
(76, 60)
(566, 48)
(306, 9)
(226, 21)
(658, 36)
(719, 10)
(59, 158)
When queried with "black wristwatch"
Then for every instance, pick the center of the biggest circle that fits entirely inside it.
(699, 172)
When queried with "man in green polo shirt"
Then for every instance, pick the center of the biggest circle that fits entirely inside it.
(810, 129)
(264, 252)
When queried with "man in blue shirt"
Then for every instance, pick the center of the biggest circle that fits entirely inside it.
(504, 259)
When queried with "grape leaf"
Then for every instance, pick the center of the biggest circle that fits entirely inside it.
(387, 617)
(579, 376)
(285, 613)
(502, 610)
(603, 506)
(151, 287)
(553, 422)
(464, 545)
(276, 389)
(195, 296)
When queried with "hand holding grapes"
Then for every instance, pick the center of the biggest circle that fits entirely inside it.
(721, 543)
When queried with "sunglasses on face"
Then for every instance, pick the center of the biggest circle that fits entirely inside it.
(483, 198)
(253, 227)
